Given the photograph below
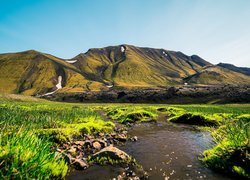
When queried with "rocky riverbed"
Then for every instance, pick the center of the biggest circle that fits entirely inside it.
(102, 149)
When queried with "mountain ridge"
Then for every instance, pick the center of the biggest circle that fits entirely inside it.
(99, 69)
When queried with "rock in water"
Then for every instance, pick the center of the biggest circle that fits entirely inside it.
(80, 164)
(135, 138)
(111, 153)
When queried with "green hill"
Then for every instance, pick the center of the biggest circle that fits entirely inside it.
(123, 66)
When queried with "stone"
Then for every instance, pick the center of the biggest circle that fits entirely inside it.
(101, 134)
(87, 143)
(135, 138)
(79, 164)
(72, 150)
(89, 137)
(112, 153)
(97, 145)
(121, 137)
(65, 146)
(103, 143)
(81, 143)
(69, 159)
(59, 150)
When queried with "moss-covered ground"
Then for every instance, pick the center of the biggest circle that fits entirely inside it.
(29, 130)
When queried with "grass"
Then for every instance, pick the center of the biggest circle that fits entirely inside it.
(211, 109)
(29, 128)
(69, 131)
(41, 125)
(25, 156)
(231, 154)
(42, 115)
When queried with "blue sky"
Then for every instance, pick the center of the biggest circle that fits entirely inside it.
(217, 30)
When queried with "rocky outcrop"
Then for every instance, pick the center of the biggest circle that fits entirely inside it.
(181, 94)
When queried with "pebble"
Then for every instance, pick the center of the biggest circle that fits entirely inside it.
(97, 145)
(135, 138)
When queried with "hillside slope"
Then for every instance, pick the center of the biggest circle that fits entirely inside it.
(243, 70)
(115, 67)
(215, 75)
(131, 66)
(35, 73)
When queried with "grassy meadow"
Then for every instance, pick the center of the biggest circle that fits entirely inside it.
(31, 129)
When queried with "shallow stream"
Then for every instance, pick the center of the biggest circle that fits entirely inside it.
(166, 151)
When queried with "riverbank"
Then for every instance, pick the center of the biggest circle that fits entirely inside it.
(74, 133)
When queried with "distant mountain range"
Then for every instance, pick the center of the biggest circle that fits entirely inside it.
(113, 67)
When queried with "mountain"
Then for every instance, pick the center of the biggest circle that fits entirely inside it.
(33, 73)
(243, 70)
(216, 75)
(115, 67)
(130, 66)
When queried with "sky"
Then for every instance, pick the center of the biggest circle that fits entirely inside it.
(216, 30)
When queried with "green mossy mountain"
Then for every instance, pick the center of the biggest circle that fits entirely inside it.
(123, 66)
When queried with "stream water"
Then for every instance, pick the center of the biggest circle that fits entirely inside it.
(165, 151)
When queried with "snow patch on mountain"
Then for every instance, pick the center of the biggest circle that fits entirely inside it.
(164, 53)
(123, 49)
(58, 86)
(71, 61)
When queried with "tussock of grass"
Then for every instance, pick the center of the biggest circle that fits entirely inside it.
(245, 118)
(173, 111)
(24, 156)
(195, 119)
(231, 154)
(132, 115)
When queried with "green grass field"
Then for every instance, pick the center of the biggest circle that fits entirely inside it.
(31, 127)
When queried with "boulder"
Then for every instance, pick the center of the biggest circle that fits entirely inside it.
(112, 153)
